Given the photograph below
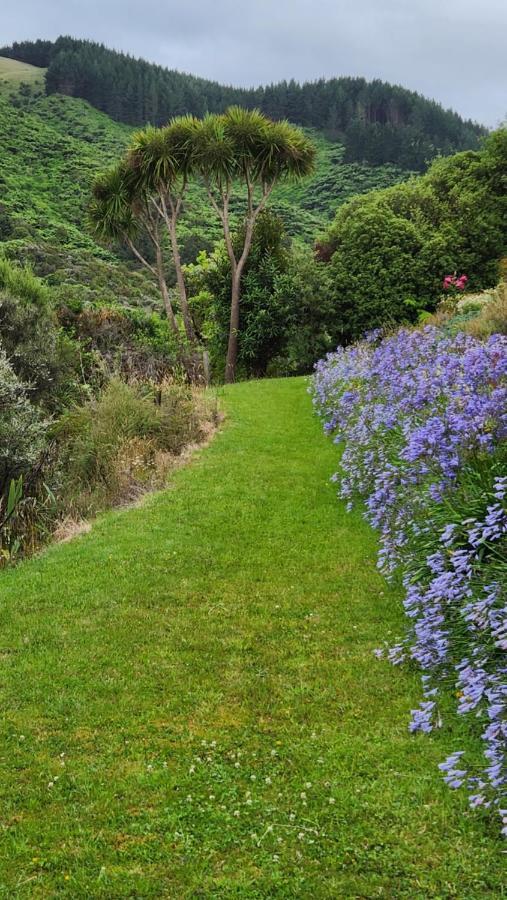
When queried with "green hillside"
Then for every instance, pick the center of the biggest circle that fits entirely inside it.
(49, 153)
(50, 150)
(378, 122)
(14, 73)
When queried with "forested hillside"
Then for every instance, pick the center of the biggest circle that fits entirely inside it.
(377, 122)
(52, 147)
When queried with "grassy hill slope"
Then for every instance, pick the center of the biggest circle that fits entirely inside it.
(51, 147)
(14, 73)
(50, 150)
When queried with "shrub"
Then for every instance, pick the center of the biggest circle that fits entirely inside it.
(134, 343)
(422, 416)
(40, 353)
(388, 251)
(23, 457)
(285, 314)
(22, 428)
(491, 318)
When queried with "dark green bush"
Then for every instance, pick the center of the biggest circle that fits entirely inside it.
(40, 353)
(25, 455)
(388, 251)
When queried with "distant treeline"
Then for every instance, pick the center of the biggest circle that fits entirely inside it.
(377, 122)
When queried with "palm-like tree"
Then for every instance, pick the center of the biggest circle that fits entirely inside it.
(142, 195)
(119, 213)
(243, 148)
(160, 163)
(240, 150)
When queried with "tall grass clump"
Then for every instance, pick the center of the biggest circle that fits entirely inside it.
(422, 418)
(123, 442)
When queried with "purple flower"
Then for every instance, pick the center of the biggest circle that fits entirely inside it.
(421, 418)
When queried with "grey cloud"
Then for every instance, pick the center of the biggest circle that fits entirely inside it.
(451, 50)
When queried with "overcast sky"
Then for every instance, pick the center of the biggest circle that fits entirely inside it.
(452, 50)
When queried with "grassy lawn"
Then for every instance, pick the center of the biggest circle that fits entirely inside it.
(190, 703)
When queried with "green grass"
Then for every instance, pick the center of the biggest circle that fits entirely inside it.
(190, 703)
(14, 73)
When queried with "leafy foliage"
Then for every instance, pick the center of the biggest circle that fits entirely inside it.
(389, 250)
(41, 354)
(283, 314)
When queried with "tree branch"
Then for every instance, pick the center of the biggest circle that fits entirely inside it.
(140, 257)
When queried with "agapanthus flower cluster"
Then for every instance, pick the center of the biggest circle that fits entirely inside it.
(422, 418)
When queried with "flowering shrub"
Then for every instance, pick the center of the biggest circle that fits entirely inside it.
(452, 283)
(423, 420)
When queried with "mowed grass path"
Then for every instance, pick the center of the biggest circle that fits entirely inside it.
(190, 703)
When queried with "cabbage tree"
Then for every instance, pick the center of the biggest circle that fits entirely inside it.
(141, 197)
(241, 155)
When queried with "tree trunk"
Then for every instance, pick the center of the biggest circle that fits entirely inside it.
(185, 309)
(165, 294)
(232, 349)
